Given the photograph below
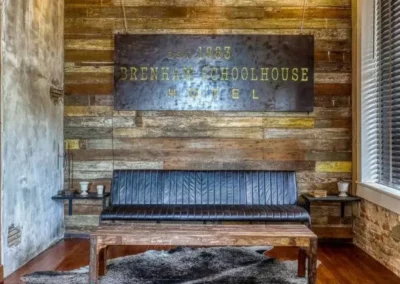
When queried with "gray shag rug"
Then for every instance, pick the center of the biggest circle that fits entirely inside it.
(219, 265)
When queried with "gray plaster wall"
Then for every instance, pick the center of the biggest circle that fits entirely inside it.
(32, 129)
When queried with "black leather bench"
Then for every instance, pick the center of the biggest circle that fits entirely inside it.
(161, 195)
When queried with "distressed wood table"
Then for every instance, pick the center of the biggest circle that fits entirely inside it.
(203, 236)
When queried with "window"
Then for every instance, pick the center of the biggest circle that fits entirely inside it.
(378, 102)
(387, 23)
(380, 98)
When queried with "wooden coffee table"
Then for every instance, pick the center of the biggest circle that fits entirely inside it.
(203, 236)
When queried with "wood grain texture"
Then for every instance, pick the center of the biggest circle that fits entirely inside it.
(208, 3)
(340, 263)
(317, 145)
(333, 167)
(205, 235)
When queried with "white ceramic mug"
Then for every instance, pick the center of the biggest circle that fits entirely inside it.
(84, 187)
(100, 189)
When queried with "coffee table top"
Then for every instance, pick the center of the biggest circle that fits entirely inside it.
(275, 230)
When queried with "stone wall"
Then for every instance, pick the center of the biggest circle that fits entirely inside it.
(372, 233)
(32, 129)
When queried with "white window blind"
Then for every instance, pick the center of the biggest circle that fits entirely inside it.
(387, 91)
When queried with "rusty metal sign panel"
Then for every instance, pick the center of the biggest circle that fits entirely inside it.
(214, 72)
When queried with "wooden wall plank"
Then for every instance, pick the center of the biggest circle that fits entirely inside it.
(79, 111)
(320, 133)
(86, 132)
(333, 167)
(231, 12)
(85, 41)
(201, 122)
(242, 165)
(262, 3)
(209, 3)
(86, 155)
(240, 133)
(103, 121)
(323, 145)
(106, 26)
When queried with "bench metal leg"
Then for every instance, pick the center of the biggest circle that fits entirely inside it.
(312, 262)
(342, 209)
(70, 207)
(301, 269)
(94, 261)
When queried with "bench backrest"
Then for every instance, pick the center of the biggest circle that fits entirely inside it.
(203, 187)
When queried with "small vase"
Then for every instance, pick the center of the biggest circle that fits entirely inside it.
(100, 189)
(84, 187)
(343, 188)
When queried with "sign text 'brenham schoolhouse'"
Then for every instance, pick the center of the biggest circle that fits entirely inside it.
(183, 72)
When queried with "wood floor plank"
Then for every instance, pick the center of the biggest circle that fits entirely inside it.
(356, 264)
(51, 259)
(340, 263)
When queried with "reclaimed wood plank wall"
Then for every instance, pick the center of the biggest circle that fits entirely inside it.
(317, 145)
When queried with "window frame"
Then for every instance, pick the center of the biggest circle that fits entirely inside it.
(363, 31)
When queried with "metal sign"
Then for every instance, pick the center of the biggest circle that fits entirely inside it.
(214, 72)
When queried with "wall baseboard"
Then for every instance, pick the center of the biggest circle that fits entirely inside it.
(1, 274)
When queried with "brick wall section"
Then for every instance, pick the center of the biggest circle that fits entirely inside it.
(372, 233)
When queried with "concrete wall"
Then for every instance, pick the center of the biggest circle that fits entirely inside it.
(32, 130)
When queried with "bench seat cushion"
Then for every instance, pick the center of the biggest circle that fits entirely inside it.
(267, 213)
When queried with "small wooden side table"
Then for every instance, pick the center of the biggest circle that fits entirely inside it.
(330, 198)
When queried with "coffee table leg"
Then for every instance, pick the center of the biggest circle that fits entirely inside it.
(312, 262)
(94, 261)
(301, 269)
(103, 262)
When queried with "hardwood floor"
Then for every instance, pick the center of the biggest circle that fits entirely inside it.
(341, 263)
